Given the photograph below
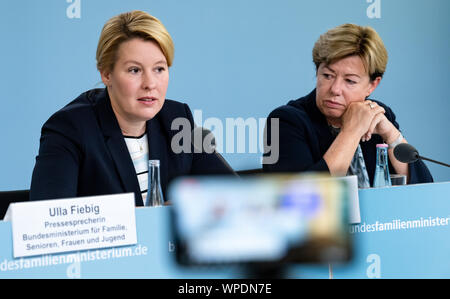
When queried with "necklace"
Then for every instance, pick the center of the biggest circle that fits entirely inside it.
(140, 142)
(137, 144)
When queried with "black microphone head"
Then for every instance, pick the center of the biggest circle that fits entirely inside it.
(203, 139)
(406, 153)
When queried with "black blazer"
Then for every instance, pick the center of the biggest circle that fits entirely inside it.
(83, 152)
(304, 138)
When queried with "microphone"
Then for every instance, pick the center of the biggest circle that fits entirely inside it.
(203, 141)
(406, 153)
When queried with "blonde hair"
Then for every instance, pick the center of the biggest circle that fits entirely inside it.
(126, 26)
(348, 40)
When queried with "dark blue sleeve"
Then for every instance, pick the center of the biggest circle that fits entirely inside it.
(418, 171)
(296, 151)
(55, 173)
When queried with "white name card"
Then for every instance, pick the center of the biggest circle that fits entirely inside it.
(62, 225)
(354, 211)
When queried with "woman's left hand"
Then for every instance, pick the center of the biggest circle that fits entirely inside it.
(382, 126)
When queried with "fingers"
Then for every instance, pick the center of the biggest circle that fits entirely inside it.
(374, 107)
(359, 116)
(375, 121)
(368, 107)
(377, 114)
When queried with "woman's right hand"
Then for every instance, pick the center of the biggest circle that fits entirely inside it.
(358, 117)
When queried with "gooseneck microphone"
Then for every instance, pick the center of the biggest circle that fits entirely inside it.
(406, 153)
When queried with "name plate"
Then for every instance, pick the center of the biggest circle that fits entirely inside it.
(62, 225)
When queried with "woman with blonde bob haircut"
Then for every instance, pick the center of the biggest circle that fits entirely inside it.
(135, 24)
(336, 127)
(101, 142)
(350, 40)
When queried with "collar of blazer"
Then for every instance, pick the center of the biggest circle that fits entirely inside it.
(117, 147)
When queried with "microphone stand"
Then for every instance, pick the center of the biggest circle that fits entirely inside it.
(434, 161)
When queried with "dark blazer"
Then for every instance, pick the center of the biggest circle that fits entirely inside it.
(83, 152)
(304, 138)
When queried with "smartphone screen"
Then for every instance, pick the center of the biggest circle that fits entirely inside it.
(298, 219)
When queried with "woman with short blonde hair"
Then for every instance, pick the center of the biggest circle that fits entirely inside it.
(101, 142)
(134, 24)
(348, 40)
(336, 127)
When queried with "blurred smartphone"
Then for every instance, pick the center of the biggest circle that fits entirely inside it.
(267, 219)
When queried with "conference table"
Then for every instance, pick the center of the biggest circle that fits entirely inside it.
(404, 233)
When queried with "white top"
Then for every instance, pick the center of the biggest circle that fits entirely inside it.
(138, 148)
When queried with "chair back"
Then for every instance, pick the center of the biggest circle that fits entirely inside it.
(7, 197)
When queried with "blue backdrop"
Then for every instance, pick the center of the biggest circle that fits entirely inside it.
(233, 59)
